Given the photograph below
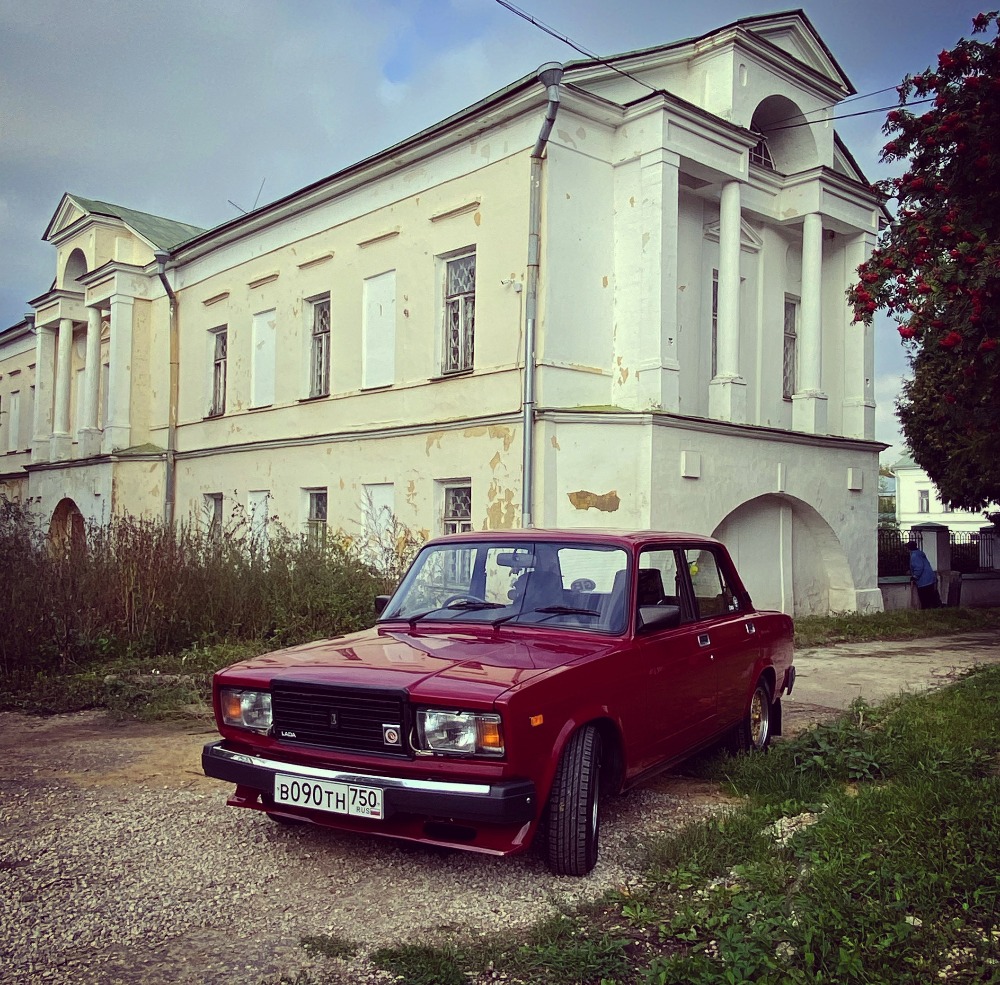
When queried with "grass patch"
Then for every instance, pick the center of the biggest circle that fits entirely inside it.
(898, 624)
(145, 688)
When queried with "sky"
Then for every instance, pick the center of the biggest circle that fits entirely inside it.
(182, 109)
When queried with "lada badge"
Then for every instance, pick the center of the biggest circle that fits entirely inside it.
(390, 735)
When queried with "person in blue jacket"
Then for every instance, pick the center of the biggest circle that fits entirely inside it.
(924, 577)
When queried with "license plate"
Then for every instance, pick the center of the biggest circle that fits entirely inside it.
(323, 795)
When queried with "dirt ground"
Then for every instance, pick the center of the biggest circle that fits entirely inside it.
(116, 857)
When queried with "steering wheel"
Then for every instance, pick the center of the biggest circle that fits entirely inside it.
(461, 597)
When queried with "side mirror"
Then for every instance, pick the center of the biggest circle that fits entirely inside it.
(381, 601)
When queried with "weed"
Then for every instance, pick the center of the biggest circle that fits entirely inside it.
(420, 964)
(330, 946)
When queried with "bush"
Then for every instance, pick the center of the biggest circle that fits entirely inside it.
(135, 588)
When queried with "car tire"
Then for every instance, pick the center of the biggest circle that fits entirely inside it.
(753, 734)
(574, 805)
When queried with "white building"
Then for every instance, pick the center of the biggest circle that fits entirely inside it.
(917, 502)
(669, 240)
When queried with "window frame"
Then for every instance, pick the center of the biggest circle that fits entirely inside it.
(219, 370)
(319, 346)
(212, 506)
(463, 301)
(789, 347)
(923, 500)
(316, 526)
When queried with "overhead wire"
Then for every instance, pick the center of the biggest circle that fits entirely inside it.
(535, 22)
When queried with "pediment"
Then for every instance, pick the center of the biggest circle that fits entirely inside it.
(750, 239)
(794, 34)
(67, 213)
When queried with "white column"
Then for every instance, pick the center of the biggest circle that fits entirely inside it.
(89, 435)
(117, 430)
(45, 357)
(727, 399)
(658, 376)
(859, 352)
(809, 410)
(61, 439)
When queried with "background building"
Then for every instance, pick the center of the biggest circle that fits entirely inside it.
(606, 296)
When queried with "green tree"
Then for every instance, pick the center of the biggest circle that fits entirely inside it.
(936, 269)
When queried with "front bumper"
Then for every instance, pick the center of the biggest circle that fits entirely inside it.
(512, 802)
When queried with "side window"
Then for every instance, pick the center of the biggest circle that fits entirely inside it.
(712, 595)
(459, 313)
(659, 597)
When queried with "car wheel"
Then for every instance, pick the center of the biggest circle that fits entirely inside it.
(753, 734)
(574, 805)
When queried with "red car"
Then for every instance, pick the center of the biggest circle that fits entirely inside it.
(512, 679)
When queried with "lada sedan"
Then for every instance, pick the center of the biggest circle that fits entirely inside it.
(512, 680)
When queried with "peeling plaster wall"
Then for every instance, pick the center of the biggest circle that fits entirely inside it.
(416, 463)
(799, 493)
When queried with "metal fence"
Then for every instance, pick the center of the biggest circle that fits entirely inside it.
(970, 552)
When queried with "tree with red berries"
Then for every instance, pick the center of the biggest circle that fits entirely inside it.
(936, 269)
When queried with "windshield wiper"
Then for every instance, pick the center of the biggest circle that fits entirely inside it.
(467, 605)
(553, 610)
(567, 610)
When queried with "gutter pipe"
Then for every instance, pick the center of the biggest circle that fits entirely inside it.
(550, 74)
(170, 486)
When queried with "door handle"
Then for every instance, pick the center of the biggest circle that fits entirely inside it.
(751, 628)
(704, 640)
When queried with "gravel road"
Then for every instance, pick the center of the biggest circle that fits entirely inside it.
(120, 863)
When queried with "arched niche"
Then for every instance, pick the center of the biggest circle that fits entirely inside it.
(67, 529)
(76, 267)
(788, 145)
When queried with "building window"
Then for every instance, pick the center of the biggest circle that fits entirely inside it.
(319, 358)
(316, 519)
(212, 508)
(459, 313)
(378, 331)
(262, 362)
(761, 156)
(715, 323)
(789, 374)
(923, 501)
(457, 509)
(220, 348)
(14, 421)
(258, 504)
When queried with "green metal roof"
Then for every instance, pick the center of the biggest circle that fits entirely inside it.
(162, 233)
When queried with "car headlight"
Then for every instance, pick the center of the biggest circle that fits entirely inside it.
(248, 709)
(459, 733)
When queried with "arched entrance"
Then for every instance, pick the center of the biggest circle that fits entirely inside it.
(68, 528)
(789, 557)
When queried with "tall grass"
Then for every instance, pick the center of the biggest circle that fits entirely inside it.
(138, 588)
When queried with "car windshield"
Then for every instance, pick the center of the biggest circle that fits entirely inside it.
(569, 586)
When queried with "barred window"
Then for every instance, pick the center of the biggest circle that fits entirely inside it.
(460, 313)
(316, 527)
(220, 350)
(457, 509)
(319, 363)
(789, 370)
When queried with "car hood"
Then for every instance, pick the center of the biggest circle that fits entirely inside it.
(426, 664)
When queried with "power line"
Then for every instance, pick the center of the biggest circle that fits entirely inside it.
(524, 15)
(847, 116)
(535, 22)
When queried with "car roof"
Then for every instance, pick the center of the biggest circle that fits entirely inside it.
(579, 535)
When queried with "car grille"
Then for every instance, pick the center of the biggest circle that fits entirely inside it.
(353, 719)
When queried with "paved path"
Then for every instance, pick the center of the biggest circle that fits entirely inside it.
(830, 678)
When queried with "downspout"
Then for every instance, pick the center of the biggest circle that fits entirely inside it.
(550, 74)
(169, 495)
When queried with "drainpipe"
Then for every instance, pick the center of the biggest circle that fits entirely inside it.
(550, 75)
(162, 256)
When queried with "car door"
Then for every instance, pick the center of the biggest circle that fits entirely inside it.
(724, 630)
(673, 682)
